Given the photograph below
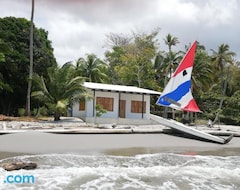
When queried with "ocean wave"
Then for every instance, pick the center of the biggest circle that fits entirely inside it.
(146, 171)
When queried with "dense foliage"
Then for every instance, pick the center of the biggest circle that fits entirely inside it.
(14, 68)
(130, 61)
(60, 91)
(135, 59)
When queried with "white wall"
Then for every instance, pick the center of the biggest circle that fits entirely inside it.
(113, 114)
(109, 114)
(136, 97)
(76, 112)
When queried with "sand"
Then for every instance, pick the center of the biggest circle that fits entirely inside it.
(37, 142)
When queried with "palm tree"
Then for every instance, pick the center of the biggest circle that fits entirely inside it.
(171, 41)
(159, 67)
(202, 74)
(61, 90)
(92, 68)
(171, 59)
(221, 59)
(28, 106)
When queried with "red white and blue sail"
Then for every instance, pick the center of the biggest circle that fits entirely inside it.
(177, 94)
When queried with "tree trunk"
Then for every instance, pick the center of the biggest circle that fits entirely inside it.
(165, 111)
(57, 116)
(222, 98)
(28, 104)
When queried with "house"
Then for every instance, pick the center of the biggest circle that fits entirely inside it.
(124, 104)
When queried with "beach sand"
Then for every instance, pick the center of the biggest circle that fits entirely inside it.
(34, 142)
(39, 142)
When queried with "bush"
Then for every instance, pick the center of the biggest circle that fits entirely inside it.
(42, 112)
(21, 112)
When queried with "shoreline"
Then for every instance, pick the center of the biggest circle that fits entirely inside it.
(72, 135)
(34, 142)
(73, 125)
(133, 151)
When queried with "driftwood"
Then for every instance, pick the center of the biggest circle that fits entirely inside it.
(19, 165)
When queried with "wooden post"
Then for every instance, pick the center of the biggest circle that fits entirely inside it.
(119, 101)
(94, 102)
(142, 104)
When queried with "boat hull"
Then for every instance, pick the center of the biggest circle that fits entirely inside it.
(189, 130)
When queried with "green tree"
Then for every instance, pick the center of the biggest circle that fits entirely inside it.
(221, 60)
(3, 49)
(15, 69)
(131, 62)
(61, 91)
(202, 74)
(171, 57)
(116, 43)
(231, 114)
(170, 60)
(92, 68)
(114, 58)
(235, 78)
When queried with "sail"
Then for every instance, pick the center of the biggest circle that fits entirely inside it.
(177, 94)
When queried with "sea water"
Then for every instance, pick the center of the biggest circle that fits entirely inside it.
(163, 171)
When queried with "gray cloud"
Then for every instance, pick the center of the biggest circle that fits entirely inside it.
(77, 27)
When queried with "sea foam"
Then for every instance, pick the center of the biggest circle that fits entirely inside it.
(151, 171)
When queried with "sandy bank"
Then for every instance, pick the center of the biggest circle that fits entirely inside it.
(31, 138)
(37, 142)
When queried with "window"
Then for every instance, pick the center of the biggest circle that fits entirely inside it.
(82, 105)
(136, 106)
(106, 103)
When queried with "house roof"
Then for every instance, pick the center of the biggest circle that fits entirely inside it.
(119, 88)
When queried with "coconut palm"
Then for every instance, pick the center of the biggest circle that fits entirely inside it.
(171, 59)
(92, 68)
(221, 59)
(171, 41)
(28, 107)
(60, 91)
(202, 74)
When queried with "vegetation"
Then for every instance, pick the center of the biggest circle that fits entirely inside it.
(221, 60)
(130, 59)
(134, 59)
(92, 68)
(60, 91)
(14, 69)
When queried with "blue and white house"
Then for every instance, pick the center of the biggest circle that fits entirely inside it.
(124, 104)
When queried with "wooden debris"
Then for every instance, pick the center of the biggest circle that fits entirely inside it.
(19, 165)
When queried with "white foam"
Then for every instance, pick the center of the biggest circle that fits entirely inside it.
(156, 171)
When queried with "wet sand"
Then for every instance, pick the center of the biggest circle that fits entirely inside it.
(34, 142)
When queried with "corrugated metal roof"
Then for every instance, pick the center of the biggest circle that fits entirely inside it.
(119, 88)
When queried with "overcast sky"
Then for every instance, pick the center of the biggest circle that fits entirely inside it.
(78, 27)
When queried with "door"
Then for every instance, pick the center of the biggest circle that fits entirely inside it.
(122, 109)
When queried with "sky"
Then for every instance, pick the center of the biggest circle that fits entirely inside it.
(79, 27)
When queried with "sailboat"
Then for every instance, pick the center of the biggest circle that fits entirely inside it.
(178, 95)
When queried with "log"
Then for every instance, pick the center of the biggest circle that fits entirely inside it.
(19, 165)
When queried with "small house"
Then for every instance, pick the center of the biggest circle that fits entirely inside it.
(123, 104)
